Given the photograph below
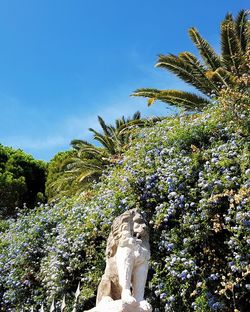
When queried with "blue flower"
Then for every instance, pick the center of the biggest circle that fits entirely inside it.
(247, 224)
(214, 277)
(216, 306)
(163, 295)
(184, 274)
(169, 246)
(171, 299)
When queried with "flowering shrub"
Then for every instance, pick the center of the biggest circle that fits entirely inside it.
(190, 176)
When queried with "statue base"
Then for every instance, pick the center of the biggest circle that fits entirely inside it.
(107, 304)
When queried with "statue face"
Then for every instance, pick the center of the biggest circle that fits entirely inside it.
(139, 226)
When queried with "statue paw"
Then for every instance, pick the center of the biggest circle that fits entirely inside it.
(145, 306)
(129, 299)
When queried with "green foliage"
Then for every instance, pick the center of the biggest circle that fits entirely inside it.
(88, 162)
(21, 179)
(190, 176)
(57, 182)
(211, 75)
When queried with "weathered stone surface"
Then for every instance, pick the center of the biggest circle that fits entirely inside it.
(109, 305)
(127, 255)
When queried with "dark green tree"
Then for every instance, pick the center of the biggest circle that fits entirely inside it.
(213, 72)
(22, 180)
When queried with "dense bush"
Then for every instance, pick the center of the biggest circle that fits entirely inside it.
(190, 175)
(22, 180)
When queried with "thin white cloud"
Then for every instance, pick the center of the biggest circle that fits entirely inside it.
(118, 103)
(35, 143)
(76, 127)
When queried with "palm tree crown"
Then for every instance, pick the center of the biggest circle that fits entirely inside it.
(90, 161)
(210, 74)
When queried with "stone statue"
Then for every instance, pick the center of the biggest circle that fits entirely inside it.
(127, 254)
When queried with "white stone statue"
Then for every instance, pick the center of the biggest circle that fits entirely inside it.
(127, 254)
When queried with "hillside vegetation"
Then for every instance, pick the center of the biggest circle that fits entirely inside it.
(189, 175)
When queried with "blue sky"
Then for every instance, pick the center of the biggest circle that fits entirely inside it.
(64, 62)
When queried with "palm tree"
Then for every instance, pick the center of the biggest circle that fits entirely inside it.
(112, 138)
(90, 161)
(213, 73)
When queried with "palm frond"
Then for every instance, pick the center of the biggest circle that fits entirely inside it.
(87, 175)
(90, 176)
(80, 169)
(84, 150)
(118, 123)
(137, 115)
(88, 151)
(211, 59)
(105, 140)
(198, 70)
(189, 101)
(149, 93)
(228, 17)
(184, 70)
(222, 77)
(242, 25)
(105, 127)
(78, 144)
(230, 45)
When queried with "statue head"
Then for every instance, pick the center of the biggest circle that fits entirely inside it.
(130, 222)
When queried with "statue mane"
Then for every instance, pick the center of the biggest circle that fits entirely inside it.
(120, 224)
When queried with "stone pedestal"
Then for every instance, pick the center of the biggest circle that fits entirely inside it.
(109, 305)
